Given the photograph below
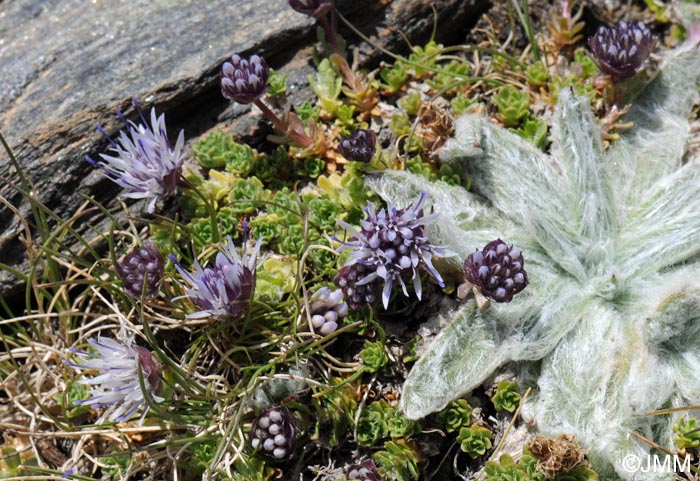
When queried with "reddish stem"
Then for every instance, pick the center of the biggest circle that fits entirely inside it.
(271, 116)
(295, 132)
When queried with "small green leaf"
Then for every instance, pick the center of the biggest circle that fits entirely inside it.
(474, 441)
(506, 397)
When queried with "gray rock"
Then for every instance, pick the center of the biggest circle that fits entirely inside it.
(67, 65)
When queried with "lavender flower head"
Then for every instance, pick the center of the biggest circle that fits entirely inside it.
(391, 245)
(244, 80)
(117, 386)
(142, 160)
(360, 145)
(621, 51)
(223, 290)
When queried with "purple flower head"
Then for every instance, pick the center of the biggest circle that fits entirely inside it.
(224, 289)
(312, 8)
(142, 160)
(391, 245)
(244, 80)
(498, 270)
(274, 433)
(360, 145)
(144, 263)
(117, 386)
(621, 51)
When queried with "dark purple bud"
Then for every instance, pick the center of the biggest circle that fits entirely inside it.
(621, 51)
(313, 8)
(498, 270)
(244, 80)
(357, 290)
(360, 145)
(364, 471)
(151, 369)
(144, 263)
(274, 433)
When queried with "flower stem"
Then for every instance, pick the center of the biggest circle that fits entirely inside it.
(271, 116)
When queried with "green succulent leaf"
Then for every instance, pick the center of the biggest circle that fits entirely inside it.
(276, 84)
(335, 414)
(394, 77)
(402, 427)
(411, 102)
(461, 103)
(266, 226)
(537, 74)
(327, 87)
(398, 461)
(456, 415)
(245, 193)
(274, 279)
(513, 104)
(504, 470)
(506, 397)
(535, 131)
(687, 433)
(373, 356)
(211, 151)
(474, 440)
(372, 424)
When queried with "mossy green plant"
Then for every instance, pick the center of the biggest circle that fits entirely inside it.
(327, 86)
(373, 356)
(513, 105)
(686, 434)
(456, 415)
(398, 461)
(474, 440)
(401, 427)
(506, 397)
(372, 425)
(220, 150)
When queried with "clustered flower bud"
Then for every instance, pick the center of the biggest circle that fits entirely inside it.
(356, 293)
(498, 271)
(274, 433)
(142, 265)
(244, 80)
(360, 145)
(621, 51)
(327, 310)
(364, 471)
(390, 246)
